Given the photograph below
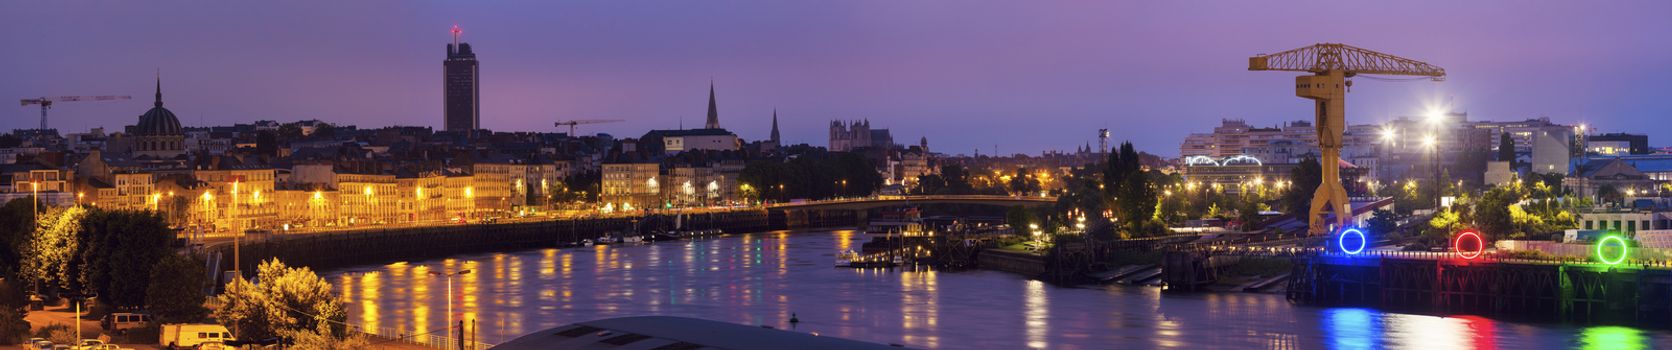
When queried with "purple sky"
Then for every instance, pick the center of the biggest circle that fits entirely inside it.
(1026, 75)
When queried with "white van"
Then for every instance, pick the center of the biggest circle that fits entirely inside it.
(182, 336)
(121, 322)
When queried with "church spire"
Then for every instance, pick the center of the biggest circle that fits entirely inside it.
(159, 102)
(775, 139)
(713, 111)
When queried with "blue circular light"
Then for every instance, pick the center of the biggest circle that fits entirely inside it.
(1362, 241)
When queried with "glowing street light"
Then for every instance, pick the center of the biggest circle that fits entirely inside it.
(1435, 116)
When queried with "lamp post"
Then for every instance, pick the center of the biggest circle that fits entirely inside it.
(449, 278)
(1435, 118)
(35, 194)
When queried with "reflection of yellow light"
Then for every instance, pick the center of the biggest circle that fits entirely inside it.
(370, 293)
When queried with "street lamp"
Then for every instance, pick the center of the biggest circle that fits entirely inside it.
(449, 278)
(1433, 144)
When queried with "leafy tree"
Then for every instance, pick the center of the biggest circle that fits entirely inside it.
(289, 302)
(52, 249)
(16, 229)
(13, 308)
(1019, 218)
(1445, 223)
(1506, 149)
(1305, 178)
(1126, 183)
(813, 175)
(583, 186)
(1023, 182)
(117, 252)
(1610, 194)
(325, 338)
(1137, 202)
(1492, 213)
(9, 140)
(1383, 222)
(176, 291)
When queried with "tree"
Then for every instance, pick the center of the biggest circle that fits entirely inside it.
(1610, 194)
(582, 186)
(1126, 183)
(288, 302)
(1019, 219)
(1305, 177)
(1383, 222)
(16, 228)
(1506, 149)
(13, 307)
(118, 249)
(1492, 213)
(51, 249)
(1023, 182)
(176, 291)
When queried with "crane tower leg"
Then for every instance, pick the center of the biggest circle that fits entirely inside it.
(1328, 90)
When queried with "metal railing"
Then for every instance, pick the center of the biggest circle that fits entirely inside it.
(385, 334)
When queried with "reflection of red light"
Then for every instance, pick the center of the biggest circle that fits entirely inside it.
(1457, 245)
(1482, 332)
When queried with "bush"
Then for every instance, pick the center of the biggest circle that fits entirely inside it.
(13, 328)
(176, 291)
(58, 333)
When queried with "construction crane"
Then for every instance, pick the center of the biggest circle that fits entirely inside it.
(47, 102)
(572, 123)
(1331, 65)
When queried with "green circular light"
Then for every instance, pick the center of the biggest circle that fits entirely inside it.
(1617, 259)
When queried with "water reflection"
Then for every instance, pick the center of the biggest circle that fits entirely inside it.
(1610, 337)
(764, 278)
(1351, 328)
(1038, 311)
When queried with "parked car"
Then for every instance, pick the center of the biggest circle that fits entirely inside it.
(121, 322)
(214, 345)
(38, 344)
(186, 336)
(89, 344)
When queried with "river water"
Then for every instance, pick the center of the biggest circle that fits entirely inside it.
(765, 278)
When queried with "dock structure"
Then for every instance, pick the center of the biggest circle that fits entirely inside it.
(1447, 283)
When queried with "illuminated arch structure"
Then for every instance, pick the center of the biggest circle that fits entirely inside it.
(1200, 161)
(1241, 159)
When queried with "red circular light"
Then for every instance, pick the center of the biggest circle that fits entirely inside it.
(1457, 245)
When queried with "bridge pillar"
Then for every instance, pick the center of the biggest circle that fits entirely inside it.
(862, 219)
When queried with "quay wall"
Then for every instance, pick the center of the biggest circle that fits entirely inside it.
(331, 250)
(1585, 293)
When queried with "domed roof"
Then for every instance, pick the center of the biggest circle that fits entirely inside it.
(158, 120)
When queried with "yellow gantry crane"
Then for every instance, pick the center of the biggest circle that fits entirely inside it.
(1331, 65)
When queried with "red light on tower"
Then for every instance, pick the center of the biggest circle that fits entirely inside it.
(456, 33)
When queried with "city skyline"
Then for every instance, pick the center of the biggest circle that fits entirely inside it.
(908, 67)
